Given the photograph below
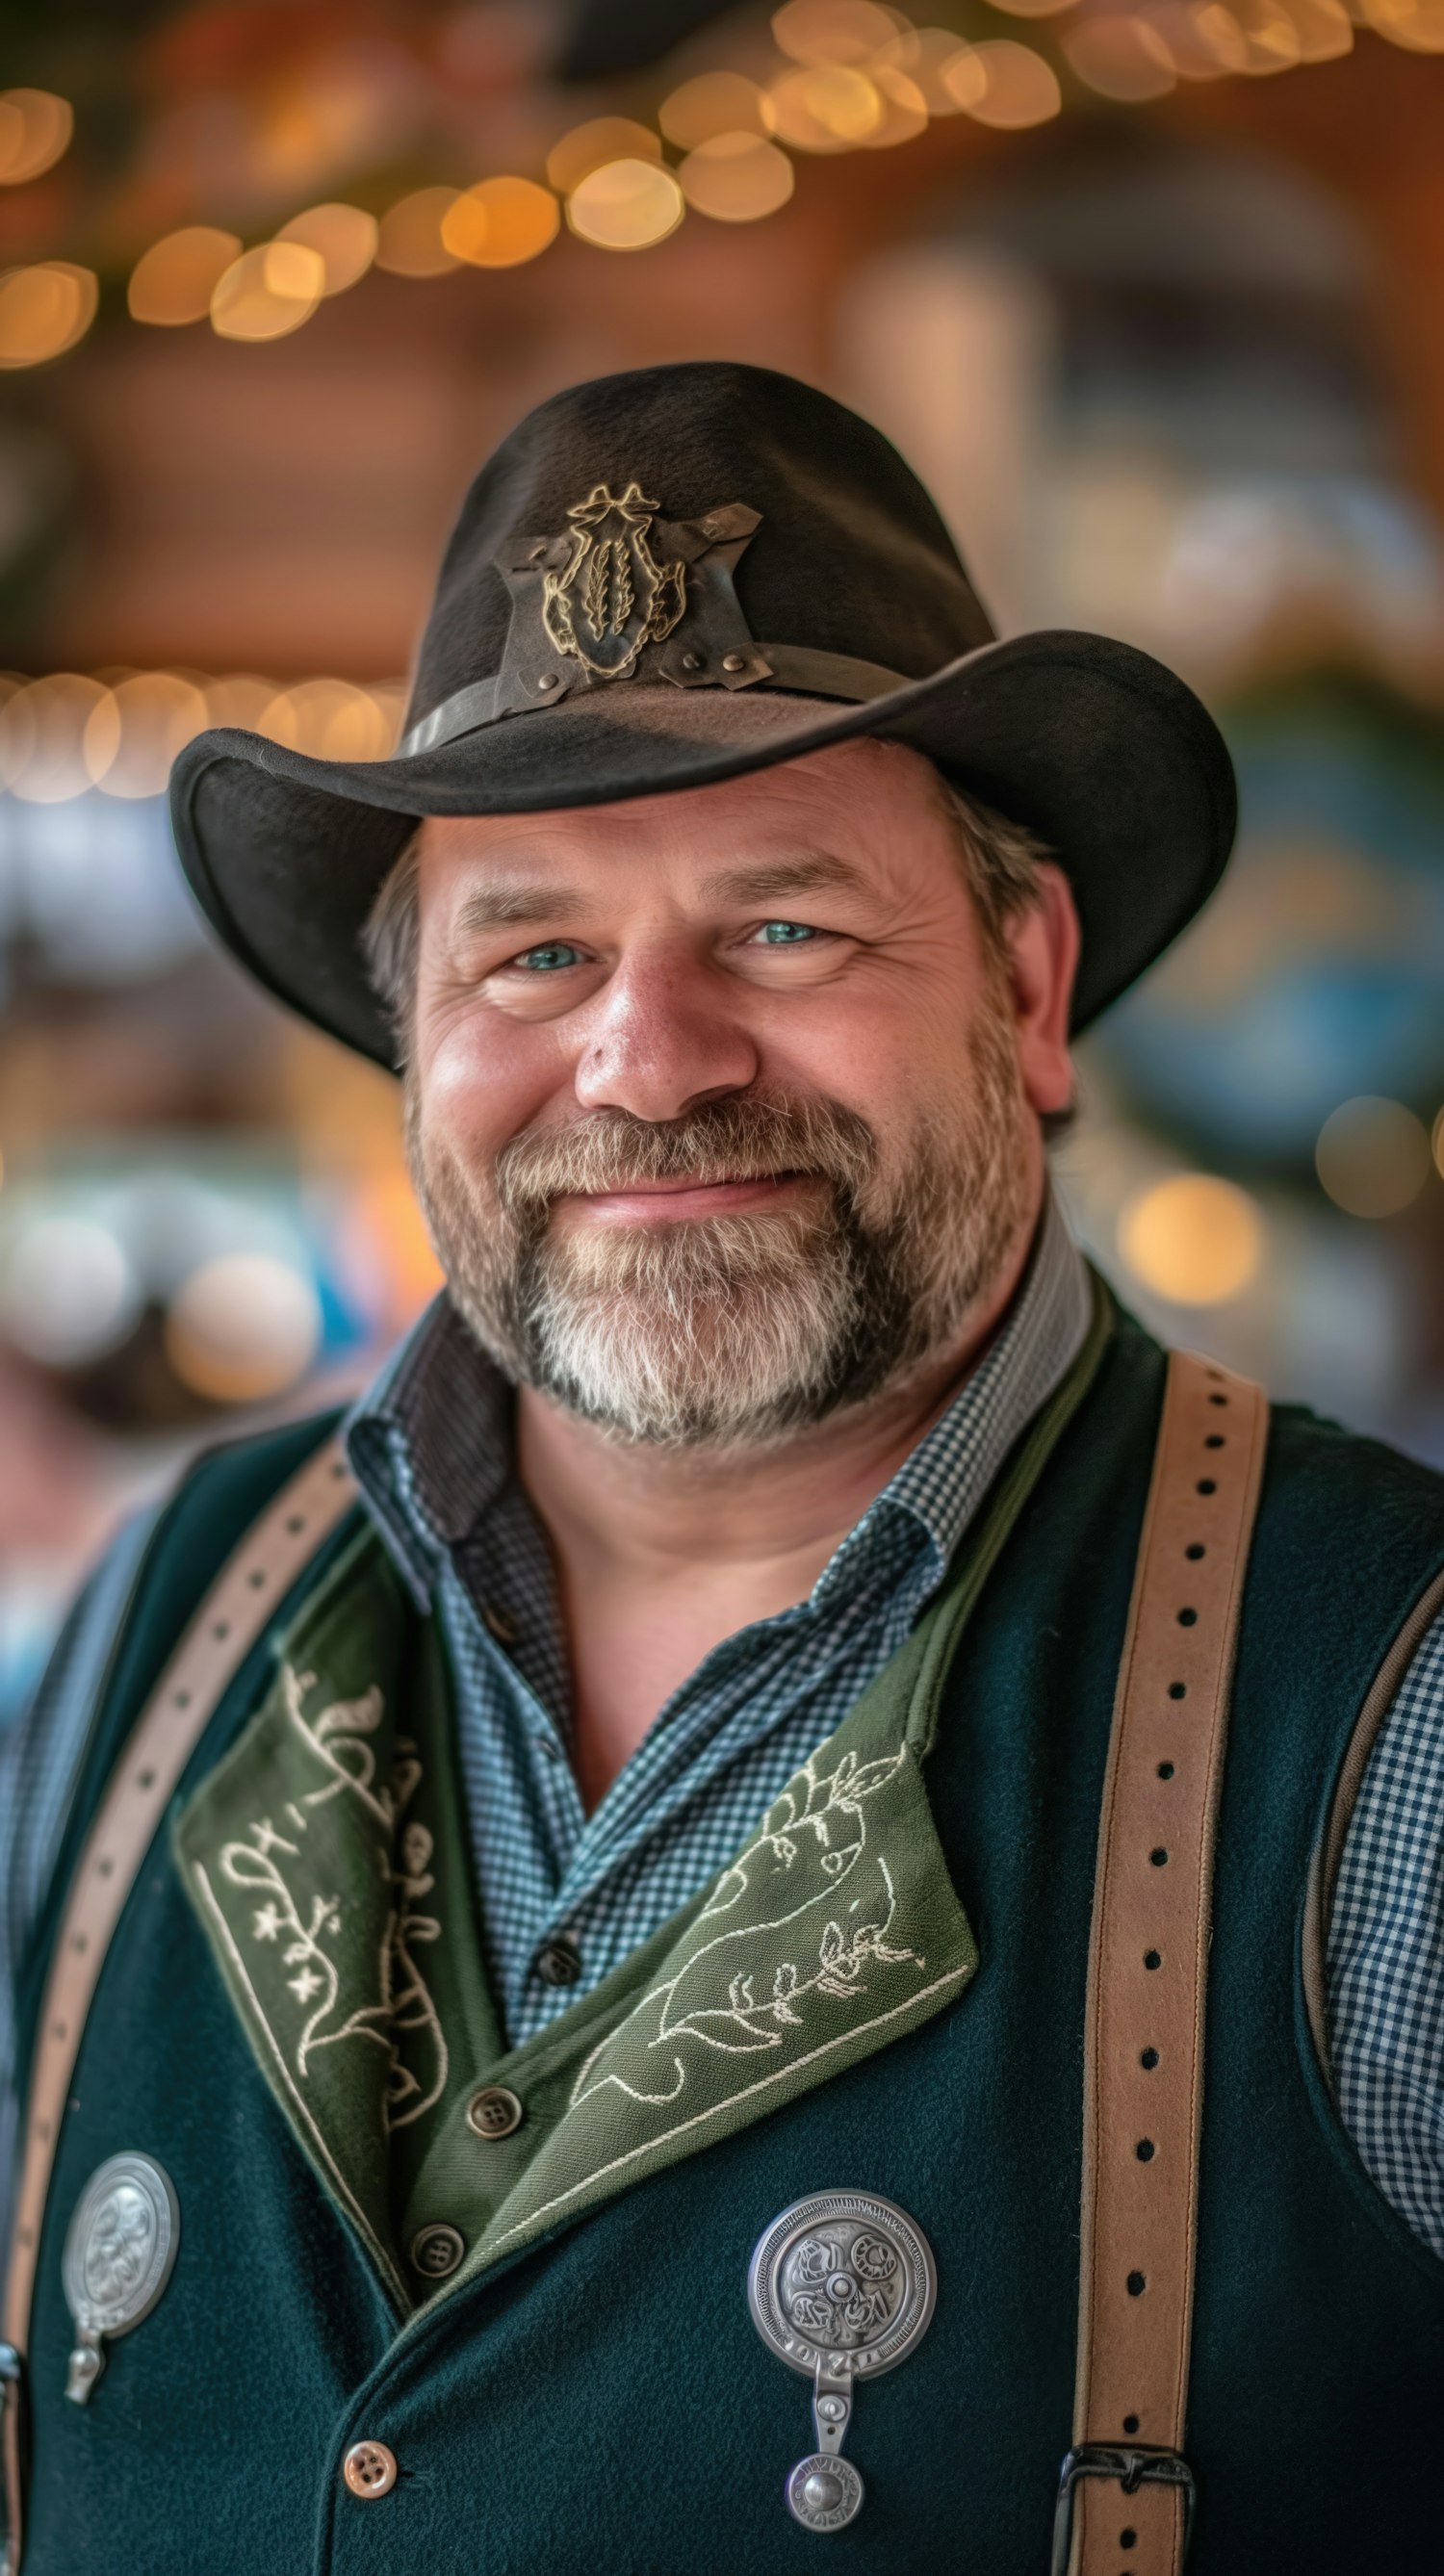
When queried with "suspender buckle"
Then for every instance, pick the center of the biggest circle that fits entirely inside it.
(1133, 2464)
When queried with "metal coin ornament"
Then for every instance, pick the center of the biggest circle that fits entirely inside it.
(119, 2252)
(842, 2287)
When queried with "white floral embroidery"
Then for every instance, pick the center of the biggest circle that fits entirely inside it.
(339, 1739)
(829, 1906)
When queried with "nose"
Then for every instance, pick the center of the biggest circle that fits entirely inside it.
(663, 1037)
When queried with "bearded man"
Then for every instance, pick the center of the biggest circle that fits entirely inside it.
(615, 1949)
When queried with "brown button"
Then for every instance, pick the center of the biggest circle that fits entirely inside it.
(558, 1964)
(494, 2112)
(369, 2470)
(436, 2250)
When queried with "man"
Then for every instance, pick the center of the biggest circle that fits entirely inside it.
(702, 1792)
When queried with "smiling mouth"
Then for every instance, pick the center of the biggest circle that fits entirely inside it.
(670, 1200)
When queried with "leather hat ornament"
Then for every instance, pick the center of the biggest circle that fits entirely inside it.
(671, 577)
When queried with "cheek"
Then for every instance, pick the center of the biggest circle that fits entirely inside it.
(482, 1080)
(889, 1053)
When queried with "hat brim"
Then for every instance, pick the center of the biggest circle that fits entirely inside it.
(1093, 745)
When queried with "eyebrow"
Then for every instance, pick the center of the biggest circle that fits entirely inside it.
(516, 902)
(770, 879)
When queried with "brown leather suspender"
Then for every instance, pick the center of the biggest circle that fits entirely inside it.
(1146, 1973)
(220, 1636)
(1126, 2491)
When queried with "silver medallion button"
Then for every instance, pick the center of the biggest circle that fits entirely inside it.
(119, 2251)
(842, 2287)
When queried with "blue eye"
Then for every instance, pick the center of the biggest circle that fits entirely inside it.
(786, 934)
(550, 958)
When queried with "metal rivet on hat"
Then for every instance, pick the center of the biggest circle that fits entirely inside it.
(734, 661)
(691, 661)
(548, 680)
(436, 2250)
(120, 2249)
(842, 2287)
(494, 2112)
(711, 527)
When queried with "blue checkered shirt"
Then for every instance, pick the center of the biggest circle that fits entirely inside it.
(432, 1446)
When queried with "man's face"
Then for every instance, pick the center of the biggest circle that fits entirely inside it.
(721, 1104)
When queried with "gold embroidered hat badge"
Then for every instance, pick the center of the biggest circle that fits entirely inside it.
(612, 596)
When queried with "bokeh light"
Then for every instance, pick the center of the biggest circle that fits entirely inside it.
(35, 129)
(712, 104)
(1373, 1157)
(242, 1328)
(833, 31)
(268, 292)
(240, 698)
(331, 720)
(44, 310)
(409, 239)
(825, 107)
(735, 178)
(626, 205)
(1034, 8)
(927, 54)
(68, 1292)
(1018, 87)
(904, 108)
(501, 222)
(1415, 24)
(42, 737)
(174, 280)
(343, 237)
(1193, 1239)
(591, 146)
(135, 730)
(1120, 56)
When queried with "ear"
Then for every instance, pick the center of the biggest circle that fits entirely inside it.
(1043, 944)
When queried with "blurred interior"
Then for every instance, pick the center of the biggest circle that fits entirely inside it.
(1152, 297)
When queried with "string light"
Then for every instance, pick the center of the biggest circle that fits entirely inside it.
(834, 31)
(1019, 88)
(714, 103)
(501, 222)
(626, 205)
(409, 239)
(1416, 24)
(1121, 57)
(736, 178)
(343, 237)
(591, 146)
(174, 280)
(35, 130)
(44, 310)
(826, 107)
(135, 730)
(1193, 1239)
(268, 292)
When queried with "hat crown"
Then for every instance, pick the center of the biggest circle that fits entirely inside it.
(848, 554)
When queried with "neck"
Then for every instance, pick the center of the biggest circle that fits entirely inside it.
(631, 1514)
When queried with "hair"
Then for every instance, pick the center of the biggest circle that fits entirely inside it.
(1000, 859)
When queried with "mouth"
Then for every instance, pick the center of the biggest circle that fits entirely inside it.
(668, 1202)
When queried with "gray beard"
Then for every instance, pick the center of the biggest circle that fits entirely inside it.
(734, 1329)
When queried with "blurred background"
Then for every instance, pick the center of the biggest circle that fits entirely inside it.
(1153, 298)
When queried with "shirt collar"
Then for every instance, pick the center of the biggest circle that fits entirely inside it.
(431, 1442)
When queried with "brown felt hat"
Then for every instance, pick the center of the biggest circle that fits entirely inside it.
(672, 577)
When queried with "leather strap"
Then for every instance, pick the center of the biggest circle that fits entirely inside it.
(221, 1634)
(1147, 1972)
(785, 666)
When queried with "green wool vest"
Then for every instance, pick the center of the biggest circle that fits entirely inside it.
(591, 2393)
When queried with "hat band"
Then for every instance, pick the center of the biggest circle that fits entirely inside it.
(786, 666)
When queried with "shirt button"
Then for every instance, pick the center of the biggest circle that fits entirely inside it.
(558, 1964)
(501, 1624)
(494, 2112)
(369, 2470)
(436, 2250)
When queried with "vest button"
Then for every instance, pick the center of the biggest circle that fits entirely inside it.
(494, 2112)
(436, 2250)
(369, 2470)
(558, 1964)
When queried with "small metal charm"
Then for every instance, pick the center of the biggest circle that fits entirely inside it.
(842, 2287)
(119, 2251)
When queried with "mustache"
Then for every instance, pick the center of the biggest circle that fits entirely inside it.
(750, 1137)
